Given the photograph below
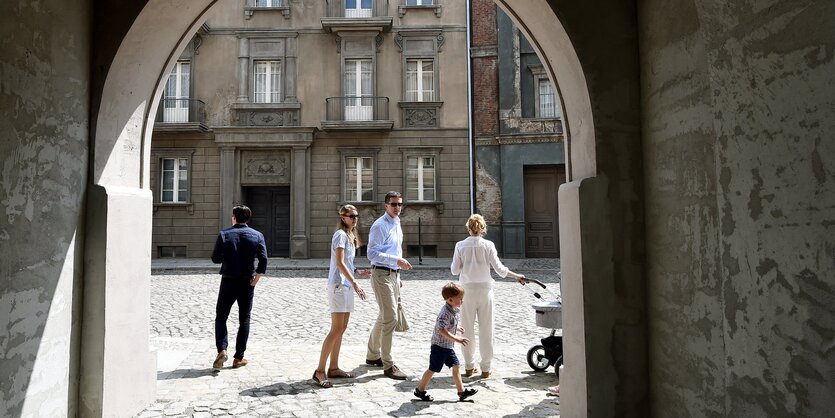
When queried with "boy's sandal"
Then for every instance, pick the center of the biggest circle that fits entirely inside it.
(339, 374)
(466, 394)
(322, 383)
(422, 395)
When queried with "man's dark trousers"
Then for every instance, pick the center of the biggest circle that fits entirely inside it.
(233, 290)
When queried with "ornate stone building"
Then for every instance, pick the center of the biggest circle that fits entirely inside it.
(297, 107)
(696, 226)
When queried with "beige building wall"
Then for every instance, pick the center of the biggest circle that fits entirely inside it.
(318, 150)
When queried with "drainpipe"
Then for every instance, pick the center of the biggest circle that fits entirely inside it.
(470, 133)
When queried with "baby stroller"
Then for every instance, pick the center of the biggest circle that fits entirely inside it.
(548, 315)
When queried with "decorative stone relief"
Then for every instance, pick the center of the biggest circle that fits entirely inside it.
(420, 118)
(265, 167)
(268, 118)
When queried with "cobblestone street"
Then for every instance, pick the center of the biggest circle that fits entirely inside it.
(289, 321)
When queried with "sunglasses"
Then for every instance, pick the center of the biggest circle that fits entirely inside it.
(352, 216)
(395, 204)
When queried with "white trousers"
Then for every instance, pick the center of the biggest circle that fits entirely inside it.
(478, 306)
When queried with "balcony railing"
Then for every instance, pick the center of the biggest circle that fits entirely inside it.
(357, 9)
(181, 111)
(354, 112)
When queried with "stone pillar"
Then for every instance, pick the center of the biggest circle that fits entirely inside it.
(290, 70)
(118, 370)
(589, 381)
(243, 70)
(228, 184)
(300, 203)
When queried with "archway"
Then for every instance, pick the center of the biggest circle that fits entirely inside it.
(115, 318)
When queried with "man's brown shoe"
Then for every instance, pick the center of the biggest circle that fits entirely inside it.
(470, 372)
(485, 375)
(239, 363)
(219, 360)
(394, 373)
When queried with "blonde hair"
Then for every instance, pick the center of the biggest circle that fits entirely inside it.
(476, 225)
(346, 210)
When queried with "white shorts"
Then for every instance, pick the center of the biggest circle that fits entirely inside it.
(341, 298)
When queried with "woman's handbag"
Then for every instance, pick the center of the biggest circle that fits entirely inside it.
(402, 325)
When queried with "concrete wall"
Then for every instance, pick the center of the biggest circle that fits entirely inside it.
(44, 97)
(738, 120)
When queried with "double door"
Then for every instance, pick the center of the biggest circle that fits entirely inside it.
(271, 216)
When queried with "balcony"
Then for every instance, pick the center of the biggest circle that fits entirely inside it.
(354, 15)
(181, 115)
(357, 113)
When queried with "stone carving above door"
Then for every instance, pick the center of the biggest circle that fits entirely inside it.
(265, 167)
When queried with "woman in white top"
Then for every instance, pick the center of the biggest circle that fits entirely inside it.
(341, 287)
(471, 261)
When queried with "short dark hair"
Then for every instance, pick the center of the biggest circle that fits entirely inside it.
(391, 194)
(451, 290)
(241, 214)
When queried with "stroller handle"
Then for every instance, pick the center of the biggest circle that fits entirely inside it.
(527, 280)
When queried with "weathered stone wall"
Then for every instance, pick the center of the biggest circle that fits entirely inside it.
(44, 97)
(737, 124)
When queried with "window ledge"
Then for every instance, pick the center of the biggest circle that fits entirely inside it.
(250, 10)
(186, 205)
(402, 9)
(438, 204)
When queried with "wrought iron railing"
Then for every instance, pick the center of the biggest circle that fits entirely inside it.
(357, 8)
(181, 111)
(357, 109)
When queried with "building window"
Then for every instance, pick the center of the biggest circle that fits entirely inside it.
(359, 179)
(420, 178)
(176, 95)
(420, 80)
(420, 2)
(269, 3)
(358, 8)
(359, 89)
(546, 104)
(267, 81)
(171, 251)
(174, 180)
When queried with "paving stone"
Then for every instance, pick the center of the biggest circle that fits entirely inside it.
(289, 322)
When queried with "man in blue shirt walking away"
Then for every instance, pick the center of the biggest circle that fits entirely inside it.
(236, 249)
(385, 252)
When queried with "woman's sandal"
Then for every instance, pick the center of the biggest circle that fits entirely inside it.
(422, 395)
(462, 396)
(321, 383)
(339, 374)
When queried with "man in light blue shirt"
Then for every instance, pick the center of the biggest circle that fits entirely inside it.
(385, 252)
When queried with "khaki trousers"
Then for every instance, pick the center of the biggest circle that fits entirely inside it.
(386, 287)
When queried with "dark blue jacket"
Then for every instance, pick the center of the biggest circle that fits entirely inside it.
(236, 248)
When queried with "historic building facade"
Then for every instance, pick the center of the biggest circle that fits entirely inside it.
(519, 139)
(297, 107)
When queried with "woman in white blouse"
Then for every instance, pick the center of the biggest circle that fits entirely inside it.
(471, 261)
(342, 285)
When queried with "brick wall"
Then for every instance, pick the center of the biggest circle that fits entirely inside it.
(485, 69)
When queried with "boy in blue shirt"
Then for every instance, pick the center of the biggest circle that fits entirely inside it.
(443, 341)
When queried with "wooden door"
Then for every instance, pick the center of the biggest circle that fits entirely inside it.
(542, 234)
(271, 216)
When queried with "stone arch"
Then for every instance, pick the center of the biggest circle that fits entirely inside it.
(592, 204)
(118, 374)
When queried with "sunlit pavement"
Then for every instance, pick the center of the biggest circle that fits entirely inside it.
(290, 320)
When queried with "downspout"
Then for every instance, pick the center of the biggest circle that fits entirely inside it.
(470, 133)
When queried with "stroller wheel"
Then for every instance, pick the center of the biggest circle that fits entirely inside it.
(537, 359)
